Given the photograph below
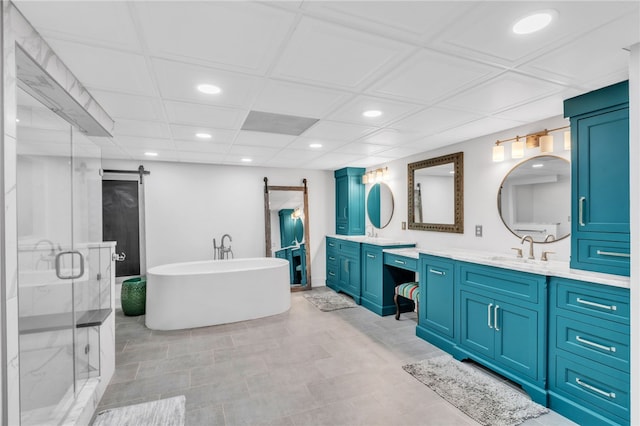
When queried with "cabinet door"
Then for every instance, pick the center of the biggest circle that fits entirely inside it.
(603, 172)
(356, 206)
(477, 332)
(350, 276)
(342, 204)
(372, 275)
(436, 305)
(518, 338)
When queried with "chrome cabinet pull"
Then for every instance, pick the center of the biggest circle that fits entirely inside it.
(332, 258)
(611, 395)
(612, 253)
(370, 256)
(435, 271)
(581, 210)
(495, 317)
(489, 315)
(58, 262)
(401, 262)
(597, 305)
(333, 274)
(596, 345)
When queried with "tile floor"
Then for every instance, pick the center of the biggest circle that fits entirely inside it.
(303, 367)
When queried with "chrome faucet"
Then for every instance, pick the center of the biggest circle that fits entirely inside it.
(530, 239)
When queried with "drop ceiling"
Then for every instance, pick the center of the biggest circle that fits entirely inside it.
(440, 72)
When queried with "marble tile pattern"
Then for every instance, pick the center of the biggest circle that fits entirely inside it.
(302, 367)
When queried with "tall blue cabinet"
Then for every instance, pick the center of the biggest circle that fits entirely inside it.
(600, 179)
(350, 205)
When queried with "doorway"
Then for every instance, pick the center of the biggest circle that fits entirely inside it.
(123, 222)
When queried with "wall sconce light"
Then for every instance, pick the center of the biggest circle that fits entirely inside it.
(296, 213)
(374, 176)
(517, 148)
(542, 139)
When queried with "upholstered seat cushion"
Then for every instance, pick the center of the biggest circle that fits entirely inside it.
(409, 291)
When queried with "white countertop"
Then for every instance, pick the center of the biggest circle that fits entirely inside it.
(553, 268)
(378, 241)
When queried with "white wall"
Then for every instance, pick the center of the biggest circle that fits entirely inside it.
(187, 205)
(482, 178)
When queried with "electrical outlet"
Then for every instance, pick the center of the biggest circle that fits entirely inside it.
(404, 225)
(478, 230)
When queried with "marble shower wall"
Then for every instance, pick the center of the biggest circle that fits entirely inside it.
(17, 31)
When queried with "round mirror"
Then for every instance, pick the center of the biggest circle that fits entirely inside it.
(380, 205)
(299, 230)
(535, 199)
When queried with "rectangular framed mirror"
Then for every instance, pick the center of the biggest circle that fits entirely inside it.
(286, 216)
(436, 194)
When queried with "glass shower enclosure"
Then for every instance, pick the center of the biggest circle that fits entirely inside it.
(60, 283)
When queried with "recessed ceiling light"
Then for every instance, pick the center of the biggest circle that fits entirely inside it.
(246, 160)
(209, 89)
(534, 22)
(315, 145)
(151, 154)
(537, 165)
(372, 113)
(203, 135)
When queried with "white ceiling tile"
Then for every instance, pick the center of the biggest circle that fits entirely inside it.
(297, 99)
(303, 143)
(240, 35)
(333, 161)
(178, 81)
(413, 19)
(391, 137)
(108, 69)
(591, 57)
(208, 147)
(148, 129)
(337, 131)
(506, 91)
(258, 139)
(402, 151)
(201, 157)
(370, 161)
(478, 128)
(325, 53)
(188, 133)
(105, 22)
(486, 31)
(391, 110)
(253, 151)
(429, 76)
(114, 152)
(433, 120)
(541, 109)
(204, 115)
(130, 142)
(120, 105)
(294, 156)
(163, 155)
(361, 148)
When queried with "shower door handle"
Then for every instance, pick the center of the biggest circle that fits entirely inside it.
(59, 261)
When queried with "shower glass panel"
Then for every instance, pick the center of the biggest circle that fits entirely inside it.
(45, 233)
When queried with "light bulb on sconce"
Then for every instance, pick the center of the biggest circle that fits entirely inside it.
(517, 148)
(567, 140)
(375, 176)
(498, 152)
(542, 140)
(546, 143)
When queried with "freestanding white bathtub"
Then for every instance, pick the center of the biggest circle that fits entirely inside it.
(198, 294)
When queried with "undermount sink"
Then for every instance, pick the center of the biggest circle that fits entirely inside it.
(517, 260)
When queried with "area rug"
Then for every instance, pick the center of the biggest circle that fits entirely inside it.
(485, 399)
(330, 301)
(164, 412)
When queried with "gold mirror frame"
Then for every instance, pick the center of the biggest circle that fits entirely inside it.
(267, 225)
(457, 160)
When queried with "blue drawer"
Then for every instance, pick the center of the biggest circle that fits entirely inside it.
(349, 248)
(595, 385)
(598, 301)
(514, 284)
(608, 343)
(403, 262)
(603, 256)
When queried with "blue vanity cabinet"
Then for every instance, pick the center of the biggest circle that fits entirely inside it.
(287, 228)
(332, 264)
(502, 323)
(437, 313)
(378, 281)
(343, 267)
(589, 352)
(600, 179)
(350, 201)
